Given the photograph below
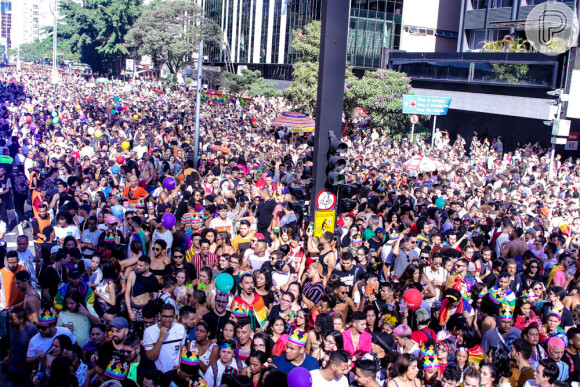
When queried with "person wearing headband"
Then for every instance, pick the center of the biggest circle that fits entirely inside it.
(227, 360)
(504, 335)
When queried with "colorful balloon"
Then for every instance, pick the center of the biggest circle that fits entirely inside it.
(135, 116)
(116, 99)
(299, 377)
(118, 211)
(440, 203)
(224, 282)
(125, 145)
(29, 119)
(91, 131)
(169, 183)
(115, 169)
(168, 220)
(120, 160)
(54, 114)
(113, 112)
(413, 298)
(48, 122)
(55, 120)
(98, 133)
(78, 107)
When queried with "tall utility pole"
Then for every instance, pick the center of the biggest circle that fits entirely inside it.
(198, 103)
(330, 98)
(54, 40)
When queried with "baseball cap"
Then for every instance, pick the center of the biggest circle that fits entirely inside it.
(74, 273)
(259, 237)
(55, 249)
(120, 323)
(531, 231)
(380, 230)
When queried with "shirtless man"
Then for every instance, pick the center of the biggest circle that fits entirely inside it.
(142, 285)
(573, 300)
(31, 297)
(147, 171)
(343, 301)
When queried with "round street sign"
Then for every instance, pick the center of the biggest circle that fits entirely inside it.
(414, 119)
(325, 200)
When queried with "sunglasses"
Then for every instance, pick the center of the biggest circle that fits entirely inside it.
(177, 256)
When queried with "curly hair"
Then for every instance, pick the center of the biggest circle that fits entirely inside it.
(324, 325)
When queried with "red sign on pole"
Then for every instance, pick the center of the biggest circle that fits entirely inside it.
(414, 119)
(572, 141)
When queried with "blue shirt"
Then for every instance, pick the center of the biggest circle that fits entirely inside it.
(284, 365)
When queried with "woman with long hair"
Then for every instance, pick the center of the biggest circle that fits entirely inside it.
(255, 367)
(523, 313)
(61, 374)
(263, 286)
(77, 316)
(202, 345)
(296, 289)
(324, 324)
(262, 342)
(406, 370)
(372, 318)
(106, 291)
(333, 341)
(489, 377)
(224, 243)
(228, 333)
(276, 328)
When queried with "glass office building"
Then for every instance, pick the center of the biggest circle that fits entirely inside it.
(261, 31)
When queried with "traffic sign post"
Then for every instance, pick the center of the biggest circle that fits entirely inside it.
(414, 119)
(572, 141)
(323, 221)
(325, 200)
(418, 104)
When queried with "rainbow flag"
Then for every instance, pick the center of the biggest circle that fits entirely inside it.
(205, 97)
(245, 101)
(230, 98)
(157, 91)
(217, 98)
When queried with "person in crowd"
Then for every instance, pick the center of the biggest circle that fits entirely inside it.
(477, 259)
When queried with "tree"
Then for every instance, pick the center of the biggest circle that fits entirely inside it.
(380, 94)
(511, 73)
(250, 84)
(97, 28)
(170, 33)
(303, 91)
(41, 50)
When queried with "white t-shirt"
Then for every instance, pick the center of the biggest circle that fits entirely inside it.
(42, 344)
(62, 233)
(169, 354)
(26, 259)
(257, 262)
(319, 381)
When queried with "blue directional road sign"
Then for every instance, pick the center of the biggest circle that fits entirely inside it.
(418, 104)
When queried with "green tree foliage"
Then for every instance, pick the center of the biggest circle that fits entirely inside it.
(250, 84)
(511, 73)
(303, 91)
(40, 50)
(170, 33)
(97, 28)
(380, 94)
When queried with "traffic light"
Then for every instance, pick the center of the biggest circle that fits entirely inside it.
(336, 161)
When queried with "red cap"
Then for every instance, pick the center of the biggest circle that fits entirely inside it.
(259, 236)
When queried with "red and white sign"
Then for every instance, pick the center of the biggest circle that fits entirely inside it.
(326, 200)
(572, 141)
(414, 119)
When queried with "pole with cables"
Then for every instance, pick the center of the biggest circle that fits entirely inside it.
(54, 41)
(198, 102)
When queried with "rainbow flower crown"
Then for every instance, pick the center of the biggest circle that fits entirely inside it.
(356, 239)
(393, 237)
(47, 316)
(506, 314)
(496, 297)
(189, 357)
(428, 352)
(555, 312)
(431, 362)
(298, 337)
(530, 295)
(117, 370)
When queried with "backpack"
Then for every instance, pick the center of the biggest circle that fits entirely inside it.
(21, 184)
(214, 368)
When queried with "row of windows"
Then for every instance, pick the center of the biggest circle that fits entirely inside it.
(374, 26)
(512, 74)
(477, 38)
(482, 4)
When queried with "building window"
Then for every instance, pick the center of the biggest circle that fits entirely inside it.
(476, 38)
(479, 4)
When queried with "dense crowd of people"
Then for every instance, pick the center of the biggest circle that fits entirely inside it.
(148, 267)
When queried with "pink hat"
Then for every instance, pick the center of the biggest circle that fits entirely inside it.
(111, 219)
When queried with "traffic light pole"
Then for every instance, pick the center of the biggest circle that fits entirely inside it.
(330, 99)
